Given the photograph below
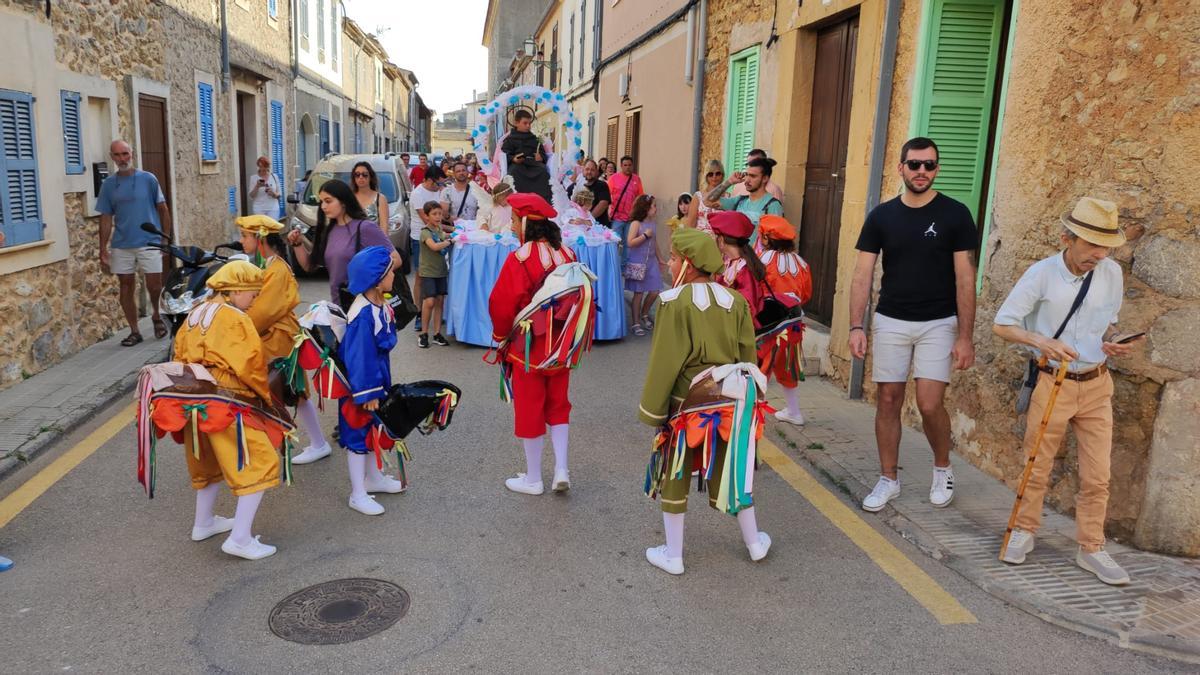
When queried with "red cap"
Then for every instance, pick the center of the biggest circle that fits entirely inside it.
(530, 204)
(731, 224)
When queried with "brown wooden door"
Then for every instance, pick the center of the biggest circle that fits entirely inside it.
(825, 176)
(244, 103)
(156, 150)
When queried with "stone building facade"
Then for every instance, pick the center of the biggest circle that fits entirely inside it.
(96, 71)
(1095, 99)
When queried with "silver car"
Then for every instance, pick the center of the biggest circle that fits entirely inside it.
(391, 184)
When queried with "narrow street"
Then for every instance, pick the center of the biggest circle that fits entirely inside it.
(108, 581)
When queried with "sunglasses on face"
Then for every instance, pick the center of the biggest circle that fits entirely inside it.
(359, 174)
(710, 174)
(914, 164)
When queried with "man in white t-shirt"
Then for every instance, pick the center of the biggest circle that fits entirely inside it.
(428, 191)
(264, 190)
(460, 203)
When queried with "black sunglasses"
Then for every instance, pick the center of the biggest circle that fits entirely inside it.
(710, 174)
(914, 164)
(360, 174)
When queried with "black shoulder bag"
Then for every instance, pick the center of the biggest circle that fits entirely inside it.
(1033, 367)
(401, 300)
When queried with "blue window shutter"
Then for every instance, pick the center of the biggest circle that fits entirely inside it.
(273, 8)
(72, 123)
(208, 135)
(337, 136)
(323, 130)
(20, 201)
(233, 200)
(277, 146)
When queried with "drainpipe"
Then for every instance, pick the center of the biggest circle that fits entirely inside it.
(690, 50)
(883, 104)
(698, 92)
(226, 77)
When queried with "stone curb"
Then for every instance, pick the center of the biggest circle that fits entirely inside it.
(28, 451)
(1150, 643)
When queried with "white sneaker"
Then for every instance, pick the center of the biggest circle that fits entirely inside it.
(562, 481)
(254, 550)
(384, 483)
(785, 416)
(218, 526)
(519, 484)
(758, 550)
(1103, 566)
(1020, 543)
(657, 556)
(366, 505)
(885, 491)
(312, 454)
(941, 493)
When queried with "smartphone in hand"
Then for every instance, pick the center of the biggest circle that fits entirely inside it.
(1125, 339)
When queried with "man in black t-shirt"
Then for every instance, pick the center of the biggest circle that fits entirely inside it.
(599, 188)
(925, 316)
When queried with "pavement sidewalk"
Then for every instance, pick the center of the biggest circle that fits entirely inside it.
(38, 411)
(1159, 612)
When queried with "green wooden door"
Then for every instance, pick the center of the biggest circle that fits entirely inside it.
(742, 106)
(957, 91)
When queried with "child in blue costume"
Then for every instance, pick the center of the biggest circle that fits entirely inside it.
(370, 336)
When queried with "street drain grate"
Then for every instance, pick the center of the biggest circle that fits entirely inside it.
(339, 611)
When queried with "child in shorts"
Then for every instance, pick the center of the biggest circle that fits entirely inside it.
(433, 275)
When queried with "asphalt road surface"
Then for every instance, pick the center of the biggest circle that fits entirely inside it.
(108, 581)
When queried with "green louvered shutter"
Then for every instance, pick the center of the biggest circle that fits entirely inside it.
(957, 92)
(743, 105)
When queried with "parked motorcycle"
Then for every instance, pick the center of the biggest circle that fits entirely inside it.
(184, 286)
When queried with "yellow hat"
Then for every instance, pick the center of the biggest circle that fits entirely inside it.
(236, 275)
(259, 225)
(1095, 220)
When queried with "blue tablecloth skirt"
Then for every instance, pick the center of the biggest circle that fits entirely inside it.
(605, 261)
(474, 269)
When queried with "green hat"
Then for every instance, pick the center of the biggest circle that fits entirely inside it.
(699, 248)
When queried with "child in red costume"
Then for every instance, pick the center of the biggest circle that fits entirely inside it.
(790, 282)
(539, 395)
(744, 272)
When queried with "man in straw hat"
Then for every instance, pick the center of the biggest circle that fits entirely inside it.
(1032, 313)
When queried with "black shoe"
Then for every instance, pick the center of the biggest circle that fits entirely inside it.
(440, 340)
(423, 340)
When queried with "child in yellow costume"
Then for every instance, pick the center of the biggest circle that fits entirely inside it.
(220, 336)
(274, 316)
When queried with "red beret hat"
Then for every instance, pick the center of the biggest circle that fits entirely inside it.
(731, 224)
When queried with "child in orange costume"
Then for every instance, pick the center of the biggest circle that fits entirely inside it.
(790, 282)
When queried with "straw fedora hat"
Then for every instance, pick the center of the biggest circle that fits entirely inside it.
(1095, 221)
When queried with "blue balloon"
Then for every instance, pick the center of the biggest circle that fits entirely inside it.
(570, 171)
(482, 111)
(512, 99)
(528, 96)
(546, 95)
(474, 133)
(497, 237)
(556, 108)
(580, 241)
(578, 126)
(578, 141)
(486, 161)
(558, 97)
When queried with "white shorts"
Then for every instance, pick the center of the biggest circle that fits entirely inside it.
(923, 345)
(132, 260)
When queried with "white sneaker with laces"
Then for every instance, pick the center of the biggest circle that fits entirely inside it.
(519, 483)
(1020, 543)
(758, 550)
(562, 481)
(218, 526)
(885, 491)
(366, 505)
(383, 483)
(785, 416)
(941, 492)
(312, 454)
(1103, 566)
(252, 550)
(657, 556)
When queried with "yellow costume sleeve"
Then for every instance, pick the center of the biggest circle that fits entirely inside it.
(279, 296)
(224, 340)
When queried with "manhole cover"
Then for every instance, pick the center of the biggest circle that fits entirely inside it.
(339, 611)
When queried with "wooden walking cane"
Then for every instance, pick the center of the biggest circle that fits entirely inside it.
(1033, 452)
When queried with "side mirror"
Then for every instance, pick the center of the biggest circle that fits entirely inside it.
(293, 198)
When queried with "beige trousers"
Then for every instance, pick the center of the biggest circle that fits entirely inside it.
(1087, 408)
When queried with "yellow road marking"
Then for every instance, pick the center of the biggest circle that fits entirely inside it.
(33, 488)
(895, 564)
